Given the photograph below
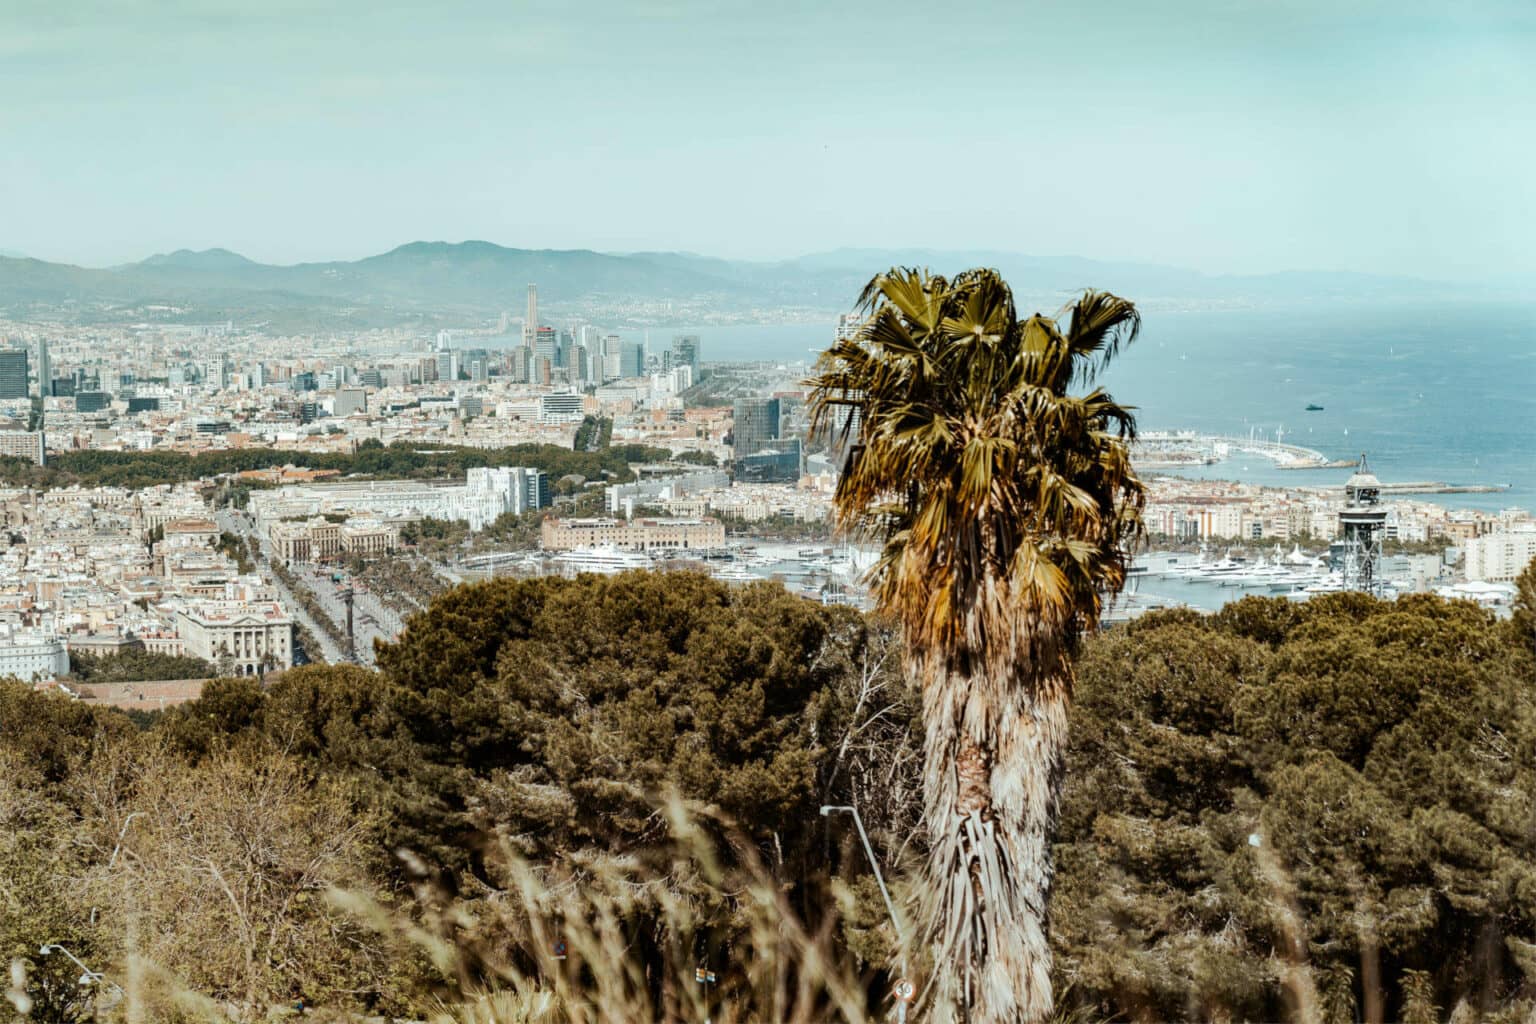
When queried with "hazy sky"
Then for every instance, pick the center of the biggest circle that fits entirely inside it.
(1219, 134)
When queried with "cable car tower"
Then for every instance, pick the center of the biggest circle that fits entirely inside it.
(1363, 524)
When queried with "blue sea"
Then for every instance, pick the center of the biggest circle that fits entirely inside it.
(1431, 393)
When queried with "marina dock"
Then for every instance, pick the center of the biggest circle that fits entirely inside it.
(1175, 448)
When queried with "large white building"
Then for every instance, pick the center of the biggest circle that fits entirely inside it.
(632, 534)
(486, 493)
(22, 444)
(1499, 557)
(32, 656)
(243, 638)
(492, 491)
(561, 407)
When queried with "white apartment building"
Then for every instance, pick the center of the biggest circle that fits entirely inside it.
(1499, 557)
(22, 444)
(492, 491)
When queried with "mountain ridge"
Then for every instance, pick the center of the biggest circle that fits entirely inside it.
(480, 277)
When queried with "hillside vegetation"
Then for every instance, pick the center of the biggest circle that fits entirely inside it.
(1306, 812)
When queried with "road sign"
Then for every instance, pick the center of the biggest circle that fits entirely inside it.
(560, 950)
(906, 991)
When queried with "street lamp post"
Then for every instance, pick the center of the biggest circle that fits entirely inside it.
(90, 977)
(869, 851)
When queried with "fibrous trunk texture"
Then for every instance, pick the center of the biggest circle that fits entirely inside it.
(993, 756)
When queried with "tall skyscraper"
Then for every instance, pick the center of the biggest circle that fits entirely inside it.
(612, 368)
(531, 324)
(757, 423)
(685, 352)
(44, 371)
(546, 344)
(13, 373)
(631, 359)
(522, 364)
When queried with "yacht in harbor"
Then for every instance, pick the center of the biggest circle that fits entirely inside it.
(604, 559)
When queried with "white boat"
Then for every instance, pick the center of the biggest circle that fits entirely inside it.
(1215, 572)
(1333, 583)
(604, 559)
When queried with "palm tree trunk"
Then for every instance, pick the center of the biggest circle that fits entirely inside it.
(993, 756)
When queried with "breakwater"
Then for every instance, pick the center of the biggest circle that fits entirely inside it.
(1178, 448)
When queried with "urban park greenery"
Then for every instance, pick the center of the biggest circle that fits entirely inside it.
(399, 461)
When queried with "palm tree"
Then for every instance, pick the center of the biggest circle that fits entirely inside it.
(1006, 504)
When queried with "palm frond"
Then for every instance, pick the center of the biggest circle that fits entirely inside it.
(995, 486)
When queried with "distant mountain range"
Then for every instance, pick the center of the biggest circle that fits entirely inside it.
(424, 280)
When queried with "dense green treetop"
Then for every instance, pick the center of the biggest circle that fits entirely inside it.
(401, 460)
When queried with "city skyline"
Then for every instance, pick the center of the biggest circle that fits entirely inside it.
(1241, 139)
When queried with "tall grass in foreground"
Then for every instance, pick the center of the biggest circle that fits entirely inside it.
(600, 940)
(616, 939)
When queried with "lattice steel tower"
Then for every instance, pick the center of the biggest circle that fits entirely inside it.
(1363, 524)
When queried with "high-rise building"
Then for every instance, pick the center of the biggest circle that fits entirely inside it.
(611, 358)
(631, 359)
(521, 369)
(493, 492)
(1499, 557)
(23, 444)
(531, 322)
(444, 341)
(757, 421)
(848, 325)
(546, 344)
(781, 460)
(44, 371)
(13, 373)
(685, 352)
